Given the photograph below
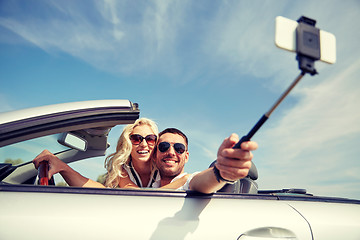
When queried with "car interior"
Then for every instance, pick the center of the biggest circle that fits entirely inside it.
(93, 142)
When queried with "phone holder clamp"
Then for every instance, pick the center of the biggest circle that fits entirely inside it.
(307, 45)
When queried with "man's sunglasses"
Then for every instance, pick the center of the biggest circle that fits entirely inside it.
(179, 147)
(136, 139)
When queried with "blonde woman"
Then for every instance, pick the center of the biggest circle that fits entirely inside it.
(130, 165)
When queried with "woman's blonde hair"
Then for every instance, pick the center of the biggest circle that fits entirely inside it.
(114, 162)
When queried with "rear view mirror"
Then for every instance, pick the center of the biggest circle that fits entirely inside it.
(73, 141)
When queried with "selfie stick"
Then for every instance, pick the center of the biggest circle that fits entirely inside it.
(266, 116)
(308, 51)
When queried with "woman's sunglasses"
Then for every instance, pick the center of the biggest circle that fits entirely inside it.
(179, 147)
(136, 139)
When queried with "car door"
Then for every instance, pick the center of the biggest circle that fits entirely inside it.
(81, 213)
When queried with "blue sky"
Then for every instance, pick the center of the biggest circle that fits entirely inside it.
(209, 68)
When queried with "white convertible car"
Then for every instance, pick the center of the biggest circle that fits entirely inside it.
(79, 131)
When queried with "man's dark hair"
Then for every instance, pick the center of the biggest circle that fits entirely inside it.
(175, 131)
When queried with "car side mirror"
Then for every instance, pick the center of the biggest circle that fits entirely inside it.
(73, 141)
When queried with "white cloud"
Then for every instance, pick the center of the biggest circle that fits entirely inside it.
(316, 141)
(325, 112)
(242, 37)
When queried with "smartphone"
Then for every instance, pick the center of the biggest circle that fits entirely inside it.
(285, 38)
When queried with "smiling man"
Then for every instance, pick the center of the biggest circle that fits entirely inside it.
(171, 154)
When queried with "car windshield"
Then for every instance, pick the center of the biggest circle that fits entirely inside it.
(26, 151)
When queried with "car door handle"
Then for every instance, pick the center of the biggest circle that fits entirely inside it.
(244, 237)
(268, 233)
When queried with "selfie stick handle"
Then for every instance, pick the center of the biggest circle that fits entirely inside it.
(266, 116)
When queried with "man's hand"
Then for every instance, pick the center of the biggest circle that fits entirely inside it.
(234, 164)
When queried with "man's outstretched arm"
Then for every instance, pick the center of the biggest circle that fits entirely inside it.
(231, 165)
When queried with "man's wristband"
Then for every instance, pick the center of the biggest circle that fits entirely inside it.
(219, 177)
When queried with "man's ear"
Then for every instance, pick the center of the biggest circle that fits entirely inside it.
(187, 156)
